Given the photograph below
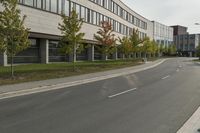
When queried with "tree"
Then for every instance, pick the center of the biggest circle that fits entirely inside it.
(154, 48)
(172, 50)
(125, 47)
(146, 48)
(13, 33)
(106, 38)
(72, 39)
(198, 51)
(135, 40)
(161, 49)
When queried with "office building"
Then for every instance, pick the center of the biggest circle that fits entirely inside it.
(186, 43)
(162, 34)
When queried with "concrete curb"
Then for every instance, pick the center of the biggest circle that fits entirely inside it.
(70, 84)
(192, 125)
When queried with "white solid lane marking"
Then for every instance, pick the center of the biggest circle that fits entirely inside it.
(166, 77)
(122, 93)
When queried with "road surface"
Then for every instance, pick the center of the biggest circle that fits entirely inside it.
(157, 100)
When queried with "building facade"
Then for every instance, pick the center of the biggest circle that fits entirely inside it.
(162, 34)
(43, 17)
(179, 30)
(186, 43)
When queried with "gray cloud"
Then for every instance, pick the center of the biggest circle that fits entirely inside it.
(169, 12)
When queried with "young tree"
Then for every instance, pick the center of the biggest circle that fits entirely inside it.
(172, 49)
(125, 48)
(72, 38)
(161, 49)
(198, 51)
(106, 38)
(147, 46)
(154, 48)
(13, 33)
(135, 41)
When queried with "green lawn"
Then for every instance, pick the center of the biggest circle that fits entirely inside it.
(35, 72)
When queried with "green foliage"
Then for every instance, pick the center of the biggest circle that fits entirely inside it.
(155, 48)
(72, 40)
(106, 38)
(13, 33)
(147, 45)
(198, 51)
(161, 48)
(126, 46)
(172, 50)
(135, 40)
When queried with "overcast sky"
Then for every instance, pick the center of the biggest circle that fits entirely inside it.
(169, 12)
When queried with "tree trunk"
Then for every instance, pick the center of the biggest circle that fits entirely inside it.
(123, 56)
(12, 69)
(135, 55)
(74, 58)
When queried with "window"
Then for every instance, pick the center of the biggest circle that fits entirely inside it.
(39, 4)
(60, 6)
(29, 2)
(47, 5)
(66, 7)
(54, 6)
(98, 19)
(78, 10)
(83, 13)
(94, 18)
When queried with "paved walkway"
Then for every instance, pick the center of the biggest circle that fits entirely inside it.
(52, 84)
(193, 124)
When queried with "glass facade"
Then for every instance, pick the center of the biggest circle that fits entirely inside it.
(54, 52)
(30, 55)
(118, 10)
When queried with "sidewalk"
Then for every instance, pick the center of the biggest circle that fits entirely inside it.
(8, 91)
(192, 125)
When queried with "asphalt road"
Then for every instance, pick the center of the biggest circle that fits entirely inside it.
(157, 100)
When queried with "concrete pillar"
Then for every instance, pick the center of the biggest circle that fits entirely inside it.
(115, 55)
(3, 60)
(91, 53)
(44, 51)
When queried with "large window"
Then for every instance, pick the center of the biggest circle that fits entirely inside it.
(54, 52)
(66, 7)
(116, 9)
(29, 2)
(54, 6)
(39, 3)
(83, 13)
(30, 55)
(47, 5)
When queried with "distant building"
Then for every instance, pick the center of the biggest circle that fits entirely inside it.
(185, 43)
(162, 34)
(179, 30)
